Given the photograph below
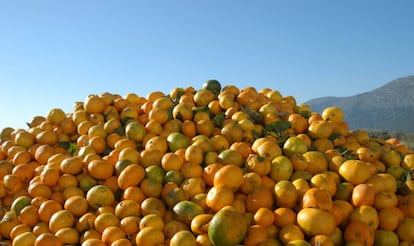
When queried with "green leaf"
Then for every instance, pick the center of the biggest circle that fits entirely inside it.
(219, 119)
(254, 116)
(277, 126)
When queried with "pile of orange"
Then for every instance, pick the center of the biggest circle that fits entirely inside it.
(209, 166)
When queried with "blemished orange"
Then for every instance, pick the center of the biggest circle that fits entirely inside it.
(256, 235)
(317, 198)
(358, 231)
(261, 197)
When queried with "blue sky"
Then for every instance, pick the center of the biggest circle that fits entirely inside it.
(54, 53)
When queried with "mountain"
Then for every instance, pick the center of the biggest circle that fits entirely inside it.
(387, 108)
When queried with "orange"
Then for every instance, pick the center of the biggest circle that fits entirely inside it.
(358, 231)
(72, 165)
(333, 114)
(229, 175)
(205, 127)
(122, 242)
(406, 205)
(251, 181)
(243, 148)
(135, 131)
(151, 187)
(193, 186)
(47, 239)
(112, 233)
(219, 196)
(404, 229)
(258, 164)
(183, 238)
(269, 150)
(151, 220)
(19, 229)
(67, 180)
(227, 227)
(317, 198)
(294, 145)
(284, 216)
(157, 142)
(25, 239)
(199, 224)
(171, 161)
(263, 217)
(183, 111)
(285, 194)
(100, 169)
(322, 240)
(43, 152)
(150, 236)
(318, 160)
(281, 168)
(85, 221)
(385, 199)
(230, 157)
(256, 234)
(50, 176)
(93, 242)
(232, 132)
(209, 171)
(159, 115)
(354, 171)
(29, 215)
(298, 123)
(61, 219)
(290, 232)
(260, 197)
(315, 221)
(104, 220)
(100, 195)
(47, 209)
(24, 139)
(301, 186)
(94, 104)
(77, 205)
(153, 205)
(21, 157)
(326, 181)
(389, 218)
(68, 236)
(130, 224)
(385, 237)
(366, 214)
(320, 129)
(363, 194)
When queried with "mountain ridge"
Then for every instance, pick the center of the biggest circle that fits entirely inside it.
(386, 108)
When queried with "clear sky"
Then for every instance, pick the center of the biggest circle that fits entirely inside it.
(54, 53)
